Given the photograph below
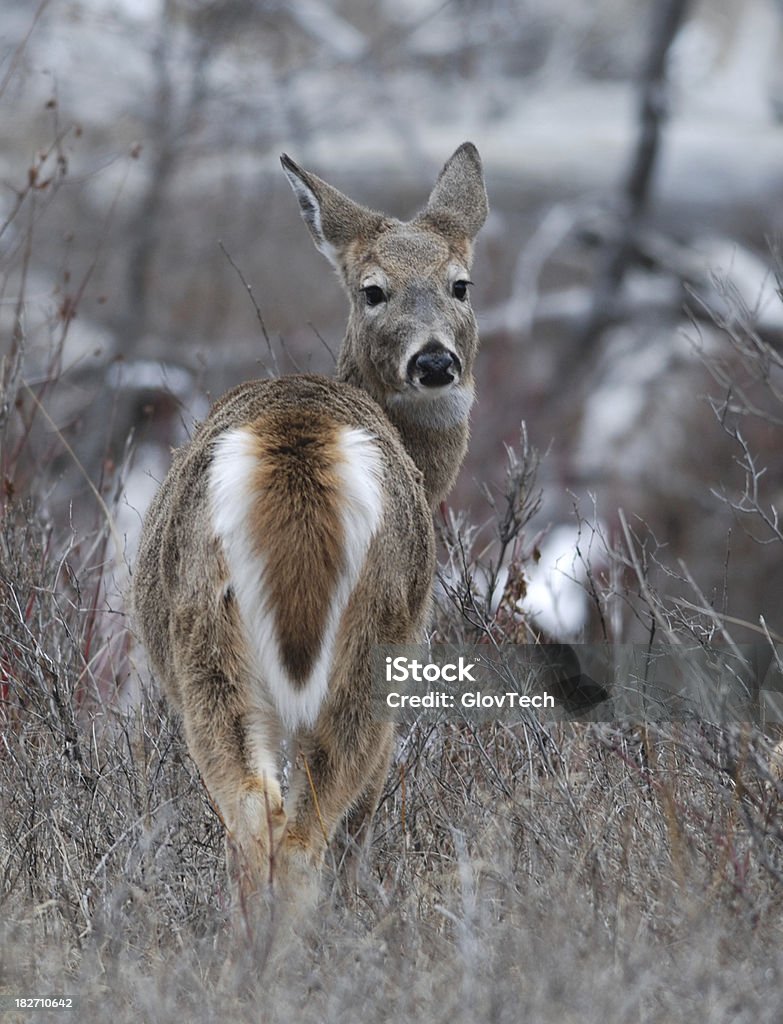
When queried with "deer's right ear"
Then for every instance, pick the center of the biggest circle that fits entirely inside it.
(333, 219)
(459, 198)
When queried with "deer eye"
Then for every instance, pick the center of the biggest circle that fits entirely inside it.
(374, 295)
(460, 290)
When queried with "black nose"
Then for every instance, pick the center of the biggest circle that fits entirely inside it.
(433, 367)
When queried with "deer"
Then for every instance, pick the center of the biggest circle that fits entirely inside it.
(294, 533)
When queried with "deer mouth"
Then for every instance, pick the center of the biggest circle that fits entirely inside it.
(433, 367)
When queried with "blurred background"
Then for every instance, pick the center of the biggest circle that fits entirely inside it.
(627, 285)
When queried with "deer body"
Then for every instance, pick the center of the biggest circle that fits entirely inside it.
(294, 532)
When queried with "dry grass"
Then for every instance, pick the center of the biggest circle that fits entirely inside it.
(534, 873)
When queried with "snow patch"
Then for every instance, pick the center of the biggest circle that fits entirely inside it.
(556, 598)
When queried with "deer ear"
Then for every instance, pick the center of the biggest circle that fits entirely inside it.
(333, 219)
(459, 199)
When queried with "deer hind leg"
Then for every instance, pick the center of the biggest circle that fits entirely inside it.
(353, 838)
(234, 741)
(358, 821)
(339, 767)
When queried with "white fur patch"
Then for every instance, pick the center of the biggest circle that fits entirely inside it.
(233, 469)
(433, 408)
(263, 738)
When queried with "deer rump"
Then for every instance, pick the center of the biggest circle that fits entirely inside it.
(296, 499)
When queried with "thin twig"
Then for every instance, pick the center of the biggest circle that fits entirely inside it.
(259, 315)
(98, 497)
(315, 800)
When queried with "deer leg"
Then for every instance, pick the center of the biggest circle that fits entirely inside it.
(339, 768)
(234, 742)
(358, 822)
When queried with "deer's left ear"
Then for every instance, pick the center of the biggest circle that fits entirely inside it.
(332, 219)
(459, 198)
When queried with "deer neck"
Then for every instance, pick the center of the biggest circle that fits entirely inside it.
(434, 431)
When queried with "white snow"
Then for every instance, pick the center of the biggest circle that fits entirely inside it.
(556, 598)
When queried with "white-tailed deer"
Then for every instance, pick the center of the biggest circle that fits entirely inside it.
(295, 532)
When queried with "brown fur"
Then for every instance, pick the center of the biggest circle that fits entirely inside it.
(185, 599)
(297, 527)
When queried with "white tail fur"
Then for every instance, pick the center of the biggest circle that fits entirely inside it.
(233, 494)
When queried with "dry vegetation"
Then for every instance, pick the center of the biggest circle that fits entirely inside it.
(517, 874)
(535, 873)
(613, 872)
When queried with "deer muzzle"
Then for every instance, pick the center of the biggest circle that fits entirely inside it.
(434, 367)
